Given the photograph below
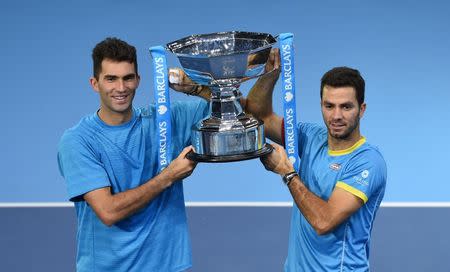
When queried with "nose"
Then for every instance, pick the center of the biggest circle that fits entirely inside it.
(336, 114)
(121, 85)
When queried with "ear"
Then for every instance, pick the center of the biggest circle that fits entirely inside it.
(362, 110)
(94, 83)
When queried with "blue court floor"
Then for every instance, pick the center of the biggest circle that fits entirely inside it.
(231, 239)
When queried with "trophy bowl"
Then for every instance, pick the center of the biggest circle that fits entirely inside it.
(222, 61)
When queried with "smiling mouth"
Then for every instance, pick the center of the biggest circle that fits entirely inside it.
(120, 97)
(337, 126)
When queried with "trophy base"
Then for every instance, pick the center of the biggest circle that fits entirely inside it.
(230, 158)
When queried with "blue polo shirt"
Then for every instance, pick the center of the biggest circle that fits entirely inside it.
(360, 170)
(93, 155)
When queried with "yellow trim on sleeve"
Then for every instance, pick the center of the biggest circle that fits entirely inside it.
(352, 190)
(349, 150)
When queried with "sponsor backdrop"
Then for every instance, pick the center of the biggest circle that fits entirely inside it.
(400, 47)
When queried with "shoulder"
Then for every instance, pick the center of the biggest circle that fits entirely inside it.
(189, 111)
(313, 134)
(368, 158)
(80, 133)
(370, 154)
(191, 104)
(176, 108)
(311, 128)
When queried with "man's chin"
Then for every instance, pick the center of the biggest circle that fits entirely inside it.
(339, 135)
(122, 108)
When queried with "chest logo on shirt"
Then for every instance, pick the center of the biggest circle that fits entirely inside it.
(335, 166)
(365, 174)
(361, 179)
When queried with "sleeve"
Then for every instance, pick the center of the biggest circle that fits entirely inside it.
(364, 175)
(80, 167)
(185, 115)
(307, 132)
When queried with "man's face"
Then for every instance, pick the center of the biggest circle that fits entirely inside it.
(116, 84)
(341, 112)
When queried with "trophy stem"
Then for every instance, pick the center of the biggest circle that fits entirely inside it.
(225, 103)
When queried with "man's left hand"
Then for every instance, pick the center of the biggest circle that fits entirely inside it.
(277, 161)
(180, 82)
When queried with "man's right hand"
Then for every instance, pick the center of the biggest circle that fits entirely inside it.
(273, 63)
(181, 167)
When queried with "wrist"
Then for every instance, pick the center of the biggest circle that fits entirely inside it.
(273, 73)
(205, 92)
(285, 170)
(288, 177)
(166, 178)
(195, 90)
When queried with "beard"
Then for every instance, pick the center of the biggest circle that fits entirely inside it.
(345, 134)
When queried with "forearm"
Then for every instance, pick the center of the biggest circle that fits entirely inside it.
(112, 208)
(129, 202)
(259, 104)
(316, 210)
(259, 99)
(273, 128)
(205, 93)
(323, 215)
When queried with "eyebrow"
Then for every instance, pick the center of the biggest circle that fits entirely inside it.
(345, 104)
(128, 76)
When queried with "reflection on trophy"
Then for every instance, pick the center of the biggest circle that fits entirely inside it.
(223, 61)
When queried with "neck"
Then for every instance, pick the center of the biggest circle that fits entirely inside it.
(115, 118)
(337, 144)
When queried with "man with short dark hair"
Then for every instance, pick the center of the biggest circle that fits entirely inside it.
(130, 217)
(341, 180)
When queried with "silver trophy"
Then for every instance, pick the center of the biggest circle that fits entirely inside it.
(223, 61)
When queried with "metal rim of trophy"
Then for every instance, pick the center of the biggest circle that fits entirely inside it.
(268, 148)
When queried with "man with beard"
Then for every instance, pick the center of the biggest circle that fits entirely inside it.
(341, 180)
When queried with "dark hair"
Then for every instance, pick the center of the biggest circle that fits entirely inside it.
(113, 49)
(344, 77)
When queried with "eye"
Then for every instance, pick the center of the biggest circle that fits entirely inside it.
(347, 107)
(129, 78)
(109, 78)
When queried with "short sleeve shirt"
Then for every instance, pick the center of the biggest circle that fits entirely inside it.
(93, 155)
(361, 171)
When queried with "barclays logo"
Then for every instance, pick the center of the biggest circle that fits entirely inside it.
(288, 96)
(162, 109)
(292, 159)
